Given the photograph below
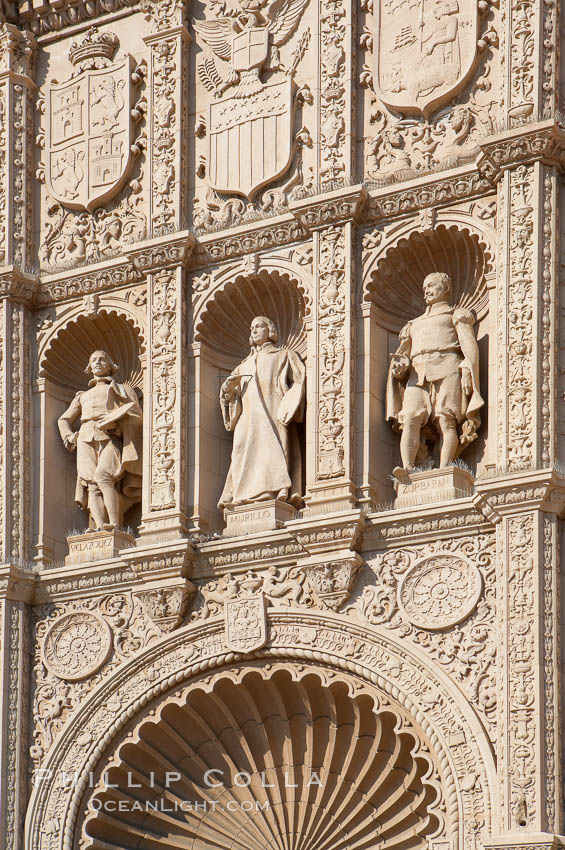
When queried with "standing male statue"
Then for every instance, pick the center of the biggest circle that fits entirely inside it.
(108, 444)
(433, 381)
(261, 400)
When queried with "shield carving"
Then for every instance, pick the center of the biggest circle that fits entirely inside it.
(250, 48)
(89, 134)
(427, 49)
(246, 623)
(250, 139)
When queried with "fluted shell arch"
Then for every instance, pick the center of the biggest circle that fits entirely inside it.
(223, 325)
(395, 281)
(299, 764)
(66, 356)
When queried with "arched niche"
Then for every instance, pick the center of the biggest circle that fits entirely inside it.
(325, 665)
(220, 340)
(392, 279)
(62, 359)
(294, 760)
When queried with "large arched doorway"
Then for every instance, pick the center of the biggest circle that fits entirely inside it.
(260, 759)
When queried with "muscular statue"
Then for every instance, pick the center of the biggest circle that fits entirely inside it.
(261, 400)
(108, 444)
(433, 381)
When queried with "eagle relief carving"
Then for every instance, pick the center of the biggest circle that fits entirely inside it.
(250, 124)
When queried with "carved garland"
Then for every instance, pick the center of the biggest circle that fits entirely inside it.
(332, 348)
(520, 319)
(164, 390)
(333, 95)
(520, 676)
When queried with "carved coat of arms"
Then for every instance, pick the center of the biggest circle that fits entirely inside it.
(250, 132)
(426, 51)
(246, 623)
(89, 125)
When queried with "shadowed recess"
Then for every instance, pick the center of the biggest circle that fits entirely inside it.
(395, 285)
(224, 324)
(299, 765)
(67, 357)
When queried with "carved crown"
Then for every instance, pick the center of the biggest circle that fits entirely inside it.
(94, 46)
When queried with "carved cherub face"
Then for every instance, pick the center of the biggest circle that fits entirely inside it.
(101, 364)
(436, 287)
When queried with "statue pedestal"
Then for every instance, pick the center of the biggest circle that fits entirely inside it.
(97, 546)
(258, 516)
(433, 485)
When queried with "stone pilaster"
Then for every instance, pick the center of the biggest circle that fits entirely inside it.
(336, 164)
(15, 436)
(165, 419)
(168, 117)
(527, 351)
(17, 92)
(529, 60)
(14, 703)
(529, 805)
(330, 467)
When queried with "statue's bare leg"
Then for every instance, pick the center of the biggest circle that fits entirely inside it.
(409, 442)
(449, 440)
(96, 506)
(111, 499)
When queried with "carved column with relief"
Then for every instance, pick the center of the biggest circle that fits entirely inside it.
(527, 353)
(529, 61)
(337, 94)
(17, 91)
(15, 631)
(165, 420)
(529, 805)
(527, 451)
(329, 474)
(168, 116)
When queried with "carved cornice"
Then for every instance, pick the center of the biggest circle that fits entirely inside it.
(16, 285)
(85, 280)
(17, 50)
(544, 141)
(248, 238)
(345, 204)
(51, 17)
(164, 252)
(168, 561)
(325, 533)
(17, 584)
(542, 489)
(436, 190)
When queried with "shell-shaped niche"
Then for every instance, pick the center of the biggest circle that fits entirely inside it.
(298, 765)
(67, 356)
(224, 324)
(395, 285)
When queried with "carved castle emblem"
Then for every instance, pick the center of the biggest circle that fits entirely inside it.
(426, 51)
(90, 125)
(250, 132)
(246, 623)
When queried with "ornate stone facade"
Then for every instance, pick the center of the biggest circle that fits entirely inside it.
(279, 223)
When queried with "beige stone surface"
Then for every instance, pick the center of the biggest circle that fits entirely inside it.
(172, 175)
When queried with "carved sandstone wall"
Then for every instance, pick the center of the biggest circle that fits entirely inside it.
(168, 172)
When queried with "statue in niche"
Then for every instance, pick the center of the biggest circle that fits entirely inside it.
(261, 401)
(108, 444)
(433, 380)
